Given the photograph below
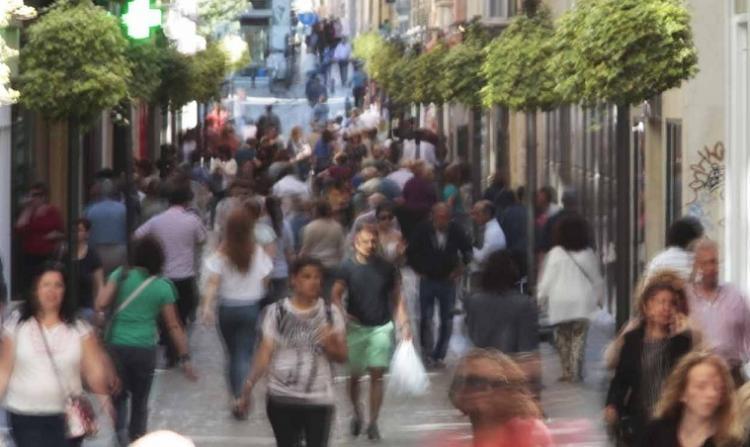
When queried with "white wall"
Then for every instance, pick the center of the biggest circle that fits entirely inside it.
(5, 190)
(737, 197)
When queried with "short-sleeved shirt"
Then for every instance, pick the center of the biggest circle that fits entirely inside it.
(241, 287)
(86, 268)
(34, 387)
(370, 288)
(136, 325)
(300, 372)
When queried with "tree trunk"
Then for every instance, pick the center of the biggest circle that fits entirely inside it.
(129, 211)
(624, 215)
(531, 183)
(74, 160)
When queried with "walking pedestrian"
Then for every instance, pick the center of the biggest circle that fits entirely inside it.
(438, 252)
(373, 304)
(139, 295)
(678, 255)
(341, 55)
(108, 217)
(266, 121)
(236, 277)
(359, 86)
(320, 113)
(392, 243)
(648, 355)
(302, 335)
(571, 287)
(719, 309)
(47, 355)
(493, 237)
(90, 273)
(284, 250)
(40, 226)
(181, 234)
(419, 196)
(492, 390)
(324, 239)
(698, 406)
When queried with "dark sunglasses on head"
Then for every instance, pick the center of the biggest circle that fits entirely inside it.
(478, 383)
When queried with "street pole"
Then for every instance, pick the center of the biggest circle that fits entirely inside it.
(531, 181)
(129, 214)
(624, 215)
(74, 156)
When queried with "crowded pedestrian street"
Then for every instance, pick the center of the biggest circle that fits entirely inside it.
(407, 223)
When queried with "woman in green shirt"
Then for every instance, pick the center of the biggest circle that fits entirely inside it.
(138, 300)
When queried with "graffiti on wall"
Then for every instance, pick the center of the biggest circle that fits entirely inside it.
(707, 185)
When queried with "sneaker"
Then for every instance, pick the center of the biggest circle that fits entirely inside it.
(355, 427)
(373, 434)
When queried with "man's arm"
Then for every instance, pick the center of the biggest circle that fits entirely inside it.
(401, 316)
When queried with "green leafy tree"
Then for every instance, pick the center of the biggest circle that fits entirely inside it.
(147, 61)
(427, 71)
(365, 46)
(74, 64)
(207, 71)
(462, 79)
(176, 79)
(516, 66)
(214, 15)
(623, 51)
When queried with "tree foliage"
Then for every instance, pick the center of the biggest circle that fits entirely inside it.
(207, 72)
(516, 66)
(147, 61)
(462, 79)
(217, 14)
(10, 10)
(74, 64)
(427, 70)
(623, 51)
(175, 88)
(366, 45)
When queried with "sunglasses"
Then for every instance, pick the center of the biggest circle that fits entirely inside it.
(478, 383)
(385, 217)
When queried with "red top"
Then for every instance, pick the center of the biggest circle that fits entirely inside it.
(517, 432)
(43, 222)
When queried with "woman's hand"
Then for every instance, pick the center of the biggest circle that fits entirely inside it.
(208, 316)
(610, 414)
(188, 371)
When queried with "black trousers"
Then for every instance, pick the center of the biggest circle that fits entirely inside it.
(187, 302)
(40, 431)
(135, 367)
(291, 421)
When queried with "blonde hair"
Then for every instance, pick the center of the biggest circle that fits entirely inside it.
(670, 406)
(524, 405)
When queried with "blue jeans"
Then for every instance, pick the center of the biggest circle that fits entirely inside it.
(444, 291)
(237, 326)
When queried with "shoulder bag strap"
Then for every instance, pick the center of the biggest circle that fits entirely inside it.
(588, 277)
(133, 295)
(63, 388)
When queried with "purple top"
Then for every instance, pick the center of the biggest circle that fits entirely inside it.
(180, 233)
(419, 194)
(725, 322)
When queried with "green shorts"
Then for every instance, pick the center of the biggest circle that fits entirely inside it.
(369, 346)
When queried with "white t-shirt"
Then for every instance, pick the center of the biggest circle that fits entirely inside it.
(299, 371)
(245, 287)
(34, 387)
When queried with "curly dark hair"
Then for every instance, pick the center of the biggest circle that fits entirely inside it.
(306, 261)
(501, 272)
(148, 254)
(30, 307)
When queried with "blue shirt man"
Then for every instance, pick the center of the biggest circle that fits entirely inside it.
(108, 222)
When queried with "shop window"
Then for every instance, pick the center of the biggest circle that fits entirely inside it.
(674, 170)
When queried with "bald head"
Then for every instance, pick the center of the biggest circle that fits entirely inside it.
(706, 263)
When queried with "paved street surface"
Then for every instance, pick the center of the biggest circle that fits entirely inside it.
(200, 410)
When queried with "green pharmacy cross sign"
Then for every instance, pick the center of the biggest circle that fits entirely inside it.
(140, 18)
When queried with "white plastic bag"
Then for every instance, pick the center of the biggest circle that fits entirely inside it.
(408, 376)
